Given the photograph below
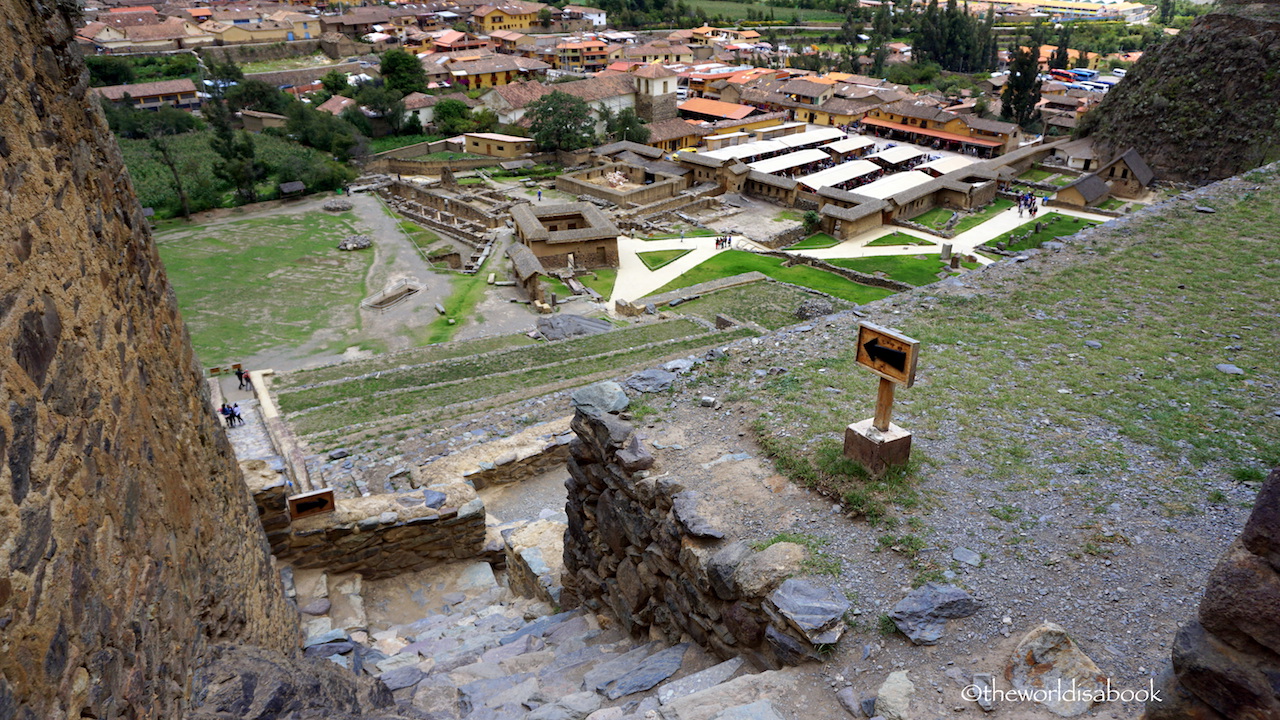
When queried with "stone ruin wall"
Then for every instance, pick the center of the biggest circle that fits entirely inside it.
(127, 541)
(379, 536)
(1226, 661)
(637, 546)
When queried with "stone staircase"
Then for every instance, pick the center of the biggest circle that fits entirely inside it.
(480, 653)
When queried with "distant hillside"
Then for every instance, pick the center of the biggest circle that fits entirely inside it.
(1206, 104)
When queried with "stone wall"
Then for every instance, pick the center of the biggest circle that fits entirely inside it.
(639, 546)
(1226, 661)
(581, 183)
(127, 540)
(378, 536)
(255, 52)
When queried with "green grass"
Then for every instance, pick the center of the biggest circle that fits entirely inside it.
(898, 238)
(417, 356)
(911, 269)
(391, 142)
(735, 262)
(815, 242)
(937, 218)
(1111, 204)
(474, 384)
(459, 368)
(993, 364)
(738, 11)
(1052, 225)
(421, 237)
(601, 280)
(656, 259)
(789, 216)
(771, 305)
(260, 284)
(1036, 175)
(468, 291)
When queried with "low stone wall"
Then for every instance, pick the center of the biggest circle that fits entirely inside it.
(783, 238)
(1095, 210)
(636, 307)
(397, 166)
(638, 546)
(854, 275)
(378, 536)
(304, 75)
(535, 559)
(252, 52)
(580, 183)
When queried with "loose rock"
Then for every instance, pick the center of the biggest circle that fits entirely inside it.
(1047, 658)
(923, 613)
(893, 699)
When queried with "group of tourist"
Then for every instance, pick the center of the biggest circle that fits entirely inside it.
(1028, 202)
(723, 241)
(231, 414)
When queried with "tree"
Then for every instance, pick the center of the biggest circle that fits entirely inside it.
(107, 70)
(811, 220)
(544, 17)
(256, 95)
(403, 72)
(560, 121)
(1022, 91)
(386, 103)
(160, 127)
(237, 162)
(624, 125)
(1167, 12)
(321, 130)
(1060, 58)
(223, 75)
(335, 83)
(452, 117)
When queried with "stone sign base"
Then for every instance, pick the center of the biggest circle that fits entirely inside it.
(876, 450)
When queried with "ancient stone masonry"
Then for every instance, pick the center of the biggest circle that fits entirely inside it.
(638, 545)
(127, 541)
(379, 536)
(1226, 661)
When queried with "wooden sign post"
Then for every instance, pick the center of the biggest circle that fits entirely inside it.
(877, 443)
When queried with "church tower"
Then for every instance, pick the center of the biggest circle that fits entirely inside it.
(655, 93)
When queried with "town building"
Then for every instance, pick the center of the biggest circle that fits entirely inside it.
(567, 234)
(154, 95)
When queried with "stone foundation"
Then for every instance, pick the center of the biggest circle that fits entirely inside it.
(637, 545)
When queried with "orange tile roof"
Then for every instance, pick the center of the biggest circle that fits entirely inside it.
(716, 108)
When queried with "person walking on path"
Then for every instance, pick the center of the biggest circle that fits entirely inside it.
(235, 414)
(225, 411)
(240, 378)
(539, 194)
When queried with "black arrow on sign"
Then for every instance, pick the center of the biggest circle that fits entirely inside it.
(895, 359)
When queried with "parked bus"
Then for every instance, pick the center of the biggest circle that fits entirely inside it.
(1063, 75)
(1084, 74)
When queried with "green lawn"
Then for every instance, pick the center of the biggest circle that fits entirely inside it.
(468, 291)
(601, 280)
(897, 238)
(421, 237)
(771, 305)
(1052, 225)
(816, 241)
(1036, 175)
(688, 233)
(911, 269)
(789, 215)
(1111, 204)
(937, 218)
(264, 283)
(970, 222)
(738, 11)
(736, 262)
(661, 258)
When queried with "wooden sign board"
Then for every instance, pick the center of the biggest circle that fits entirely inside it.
(889, 354)
(316, 502)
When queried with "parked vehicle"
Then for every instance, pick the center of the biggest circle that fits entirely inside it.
(1084, 73)
(1118, 72)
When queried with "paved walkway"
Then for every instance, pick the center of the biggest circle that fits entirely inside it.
(635, 280)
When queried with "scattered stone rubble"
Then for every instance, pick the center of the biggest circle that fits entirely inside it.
(356, 242)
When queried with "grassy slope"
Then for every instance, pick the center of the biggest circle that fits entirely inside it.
(1007, 385)
(234, 302)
